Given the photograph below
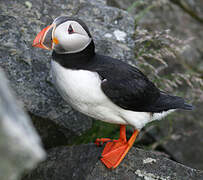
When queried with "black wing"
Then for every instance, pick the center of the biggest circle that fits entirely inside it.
(133, 93)
(130, 89)
(126, 85)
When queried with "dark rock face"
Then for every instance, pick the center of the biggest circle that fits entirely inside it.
(82, 162)
(183, 18)
(52, 135)
(28, 67)
(193, 8)
(184, 143)
(182, 25)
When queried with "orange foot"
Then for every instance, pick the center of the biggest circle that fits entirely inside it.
(115, 150)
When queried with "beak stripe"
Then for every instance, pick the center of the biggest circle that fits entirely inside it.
(39, 39)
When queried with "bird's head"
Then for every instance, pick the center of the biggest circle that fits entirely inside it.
(64, 35)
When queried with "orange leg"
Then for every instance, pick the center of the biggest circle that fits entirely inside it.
(115, 150)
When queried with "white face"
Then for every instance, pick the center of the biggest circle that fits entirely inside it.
(70, 37)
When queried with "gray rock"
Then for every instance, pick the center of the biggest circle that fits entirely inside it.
(120, 4)
(20, 146)
(183, 18)
(182, 26)
(28, 67)
(194, 8)
(184, 142)
(51, 134)
(82, 162)
(191, 7)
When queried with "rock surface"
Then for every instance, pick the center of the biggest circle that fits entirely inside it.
(182, 26)
(82, 162)
(193, 8)
(28, 67)
(177, 15)
(183, 137)
(20, 146)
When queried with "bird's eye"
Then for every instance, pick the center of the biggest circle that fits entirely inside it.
(70, 29)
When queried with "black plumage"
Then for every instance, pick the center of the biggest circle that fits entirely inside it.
(122, 83)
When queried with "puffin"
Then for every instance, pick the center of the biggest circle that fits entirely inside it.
(103, 87)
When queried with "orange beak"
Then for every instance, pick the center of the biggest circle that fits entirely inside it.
(44, 38)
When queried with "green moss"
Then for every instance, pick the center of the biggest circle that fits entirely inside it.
(99, 130)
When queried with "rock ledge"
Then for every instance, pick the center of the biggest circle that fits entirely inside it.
(82, 162)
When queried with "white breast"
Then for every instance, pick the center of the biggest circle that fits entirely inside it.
(82, 89)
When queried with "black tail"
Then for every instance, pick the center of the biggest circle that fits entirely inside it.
(167, 102)
(187, 106)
